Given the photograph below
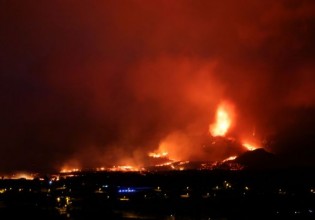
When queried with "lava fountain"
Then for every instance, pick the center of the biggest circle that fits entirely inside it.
(223, 120)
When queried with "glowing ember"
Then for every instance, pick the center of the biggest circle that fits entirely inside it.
(124, 168)
(165, 164)
(158, 155)
(223, 120)
(250, 147)
(229, 158)
(65, 170)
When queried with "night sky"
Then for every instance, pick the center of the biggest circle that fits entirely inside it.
(93, 83)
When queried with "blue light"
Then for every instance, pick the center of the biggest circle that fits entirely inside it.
(126, 190)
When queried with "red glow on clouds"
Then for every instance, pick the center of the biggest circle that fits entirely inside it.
(106, 82)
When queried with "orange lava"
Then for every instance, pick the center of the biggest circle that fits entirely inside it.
(125, 168)
(223, 121)
(229, 158)
(67, 170)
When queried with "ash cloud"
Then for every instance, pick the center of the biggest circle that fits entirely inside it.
(99, 82)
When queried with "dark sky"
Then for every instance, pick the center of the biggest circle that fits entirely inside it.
(101, 82)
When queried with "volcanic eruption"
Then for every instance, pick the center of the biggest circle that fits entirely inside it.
(218, 139)
(106, 83)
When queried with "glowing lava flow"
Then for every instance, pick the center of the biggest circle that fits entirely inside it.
(229, 158)
(223, 120)
(65, 170)
(126, 168)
